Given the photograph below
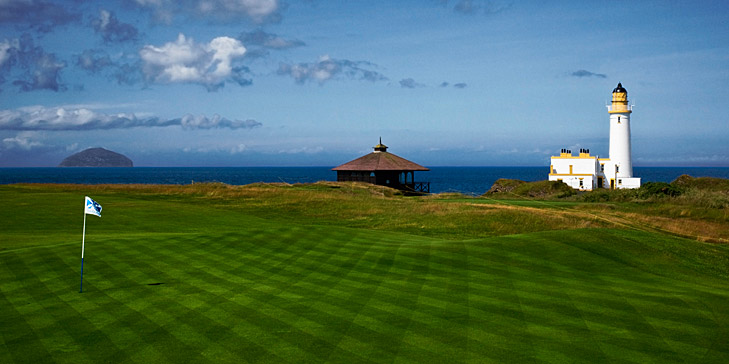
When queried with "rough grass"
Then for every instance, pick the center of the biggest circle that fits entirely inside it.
(352, 204)
(349, 273)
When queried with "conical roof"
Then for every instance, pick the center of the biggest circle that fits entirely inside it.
(380, 160)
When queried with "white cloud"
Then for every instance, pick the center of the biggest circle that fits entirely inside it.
(65, 118)
(224, 50)
(21, 141)
(203, 122)
(184, 61)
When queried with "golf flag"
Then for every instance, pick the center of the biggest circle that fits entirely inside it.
(92, 207)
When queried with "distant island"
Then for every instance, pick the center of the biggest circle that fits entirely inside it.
(96, 157)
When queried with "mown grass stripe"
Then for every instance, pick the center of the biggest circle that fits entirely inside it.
(153, 318)
(20, 338)
(67, 321)
(158, 316)
(214, 289)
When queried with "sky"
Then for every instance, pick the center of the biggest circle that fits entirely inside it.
(317, 83)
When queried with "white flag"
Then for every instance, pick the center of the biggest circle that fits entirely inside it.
(92, 207)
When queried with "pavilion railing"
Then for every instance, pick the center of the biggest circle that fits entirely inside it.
(421, 187)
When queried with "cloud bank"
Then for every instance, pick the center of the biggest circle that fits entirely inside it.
(59, 118)
(22, 141)
(327, 68)
(184, 61)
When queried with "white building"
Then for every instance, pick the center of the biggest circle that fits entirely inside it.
(587, 172)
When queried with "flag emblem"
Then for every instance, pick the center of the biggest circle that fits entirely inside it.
(92, 207)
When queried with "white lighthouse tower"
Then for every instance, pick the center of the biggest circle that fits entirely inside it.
(619, 169)
(586, 171)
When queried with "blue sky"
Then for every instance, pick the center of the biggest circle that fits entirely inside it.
(317, 83)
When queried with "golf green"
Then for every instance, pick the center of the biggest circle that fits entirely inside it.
(216, 286)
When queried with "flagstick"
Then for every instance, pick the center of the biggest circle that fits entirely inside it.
(83, 240)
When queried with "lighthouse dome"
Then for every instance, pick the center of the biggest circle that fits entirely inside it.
(620, 89)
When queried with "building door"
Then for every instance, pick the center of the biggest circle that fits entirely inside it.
(599, 182)
(612, 183)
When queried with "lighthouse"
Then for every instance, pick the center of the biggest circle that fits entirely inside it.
(586, 171)
(620, 111)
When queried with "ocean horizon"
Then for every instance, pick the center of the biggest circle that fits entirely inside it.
(466, 180)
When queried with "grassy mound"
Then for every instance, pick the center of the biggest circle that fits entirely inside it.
(300, 273)
(510, 188)
(702, 183)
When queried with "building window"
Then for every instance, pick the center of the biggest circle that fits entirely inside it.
(617, 169)
(581, 183)
(620, 181)
(602, 167)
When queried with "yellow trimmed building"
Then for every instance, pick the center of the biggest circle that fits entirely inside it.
(587, 172)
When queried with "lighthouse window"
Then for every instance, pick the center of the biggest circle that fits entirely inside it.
(602, 167)
(618, 119)
(617, 169)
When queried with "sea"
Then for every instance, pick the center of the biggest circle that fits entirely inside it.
(466, 180)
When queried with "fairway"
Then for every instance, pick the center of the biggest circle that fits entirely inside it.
(172, 279)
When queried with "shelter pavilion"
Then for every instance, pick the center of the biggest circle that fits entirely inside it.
(385, 169)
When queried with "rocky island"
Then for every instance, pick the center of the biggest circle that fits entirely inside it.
(96, 157)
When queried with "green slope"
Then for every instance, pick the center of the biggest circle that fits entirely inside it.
(172, 280)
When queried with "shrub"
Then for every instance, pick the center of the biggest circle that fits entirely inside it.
(605, 195)
(600, 195)
(651, 189)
